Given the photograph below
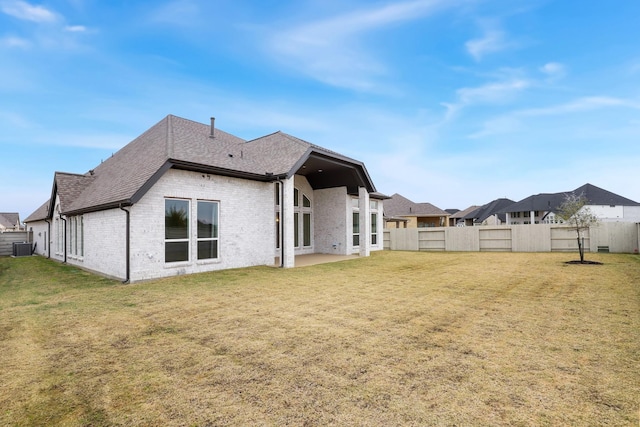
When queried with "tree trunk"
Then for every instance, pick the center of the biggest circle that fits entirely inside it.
(581, 250)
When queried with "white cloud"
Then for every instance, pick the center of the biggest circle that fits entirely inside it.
(492, 41)
(28, 12)
(554, 70)
(75, 28)
(581, 105)
(492, 92)
(177, 12)
(330, 50)
(15, 42)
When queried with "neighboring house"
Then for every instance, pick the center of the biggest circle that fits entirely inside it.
(458, 219)
(400, 211)
(541, 208)
(489, 214)
(9, 221)
(185, 197)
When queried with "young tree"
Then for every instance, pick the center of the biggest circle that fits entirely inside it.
(579, 217)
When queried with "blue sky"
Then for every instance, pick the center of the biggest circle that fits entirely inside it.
(452, 102)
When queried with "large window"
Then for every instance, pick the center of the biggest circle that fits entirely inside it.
(207, 230)
(356, 228)
(355, 205)
(76, 236)
(373, 205)
(302, 213)
(176, 230)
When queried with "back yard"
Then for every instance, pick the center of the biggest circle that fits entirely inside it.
(400, 338)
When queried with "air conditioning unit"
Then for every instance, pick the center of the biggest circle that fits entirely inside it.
(21, 249)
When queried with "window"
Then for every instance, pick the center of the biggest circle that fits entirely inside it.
(207, 230)
(356, 229)
(306, 229)
(76, 236)
(176, 230)
(302, 212)
(374, 228)
(355, 204)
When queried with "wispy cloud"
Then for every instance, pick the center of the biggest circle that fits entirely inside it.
(15, 42)
(490, 93)
(177, 12)
(515, 121)
(554, 71)
(28, 12)
(492, 41)
(75, 28)
(580, 105)
(331, 50)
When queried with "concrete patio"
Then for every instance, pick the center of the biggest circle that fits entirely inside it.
(313, 259)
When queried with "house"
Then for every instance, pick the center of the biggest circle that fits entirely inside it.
(541, 208)
(488, 214)
(398, 210)
(458, 219)
(186, 197)
(10, 221)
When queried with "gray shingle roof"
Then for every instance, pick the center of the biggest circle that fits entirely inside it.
(398, 206)
(463, 213)
(551, 201)
(494, 207)
(178, 142)
(9, 219)
(39, 214)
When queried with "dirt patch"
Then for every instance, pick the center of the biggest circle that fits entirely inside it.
(584, 262)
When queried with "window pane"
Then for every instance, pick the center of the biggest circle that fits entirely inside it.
(295, 197)
(306, 203)
(373, 204)
(176, 251)
(176, 219)
(356, 240)
(356, 222)
(374, 239)
(278, 230)
(374, 223)
(296, 229)
(306, 229)
(277, 195)
(207, 249)
(207, 220)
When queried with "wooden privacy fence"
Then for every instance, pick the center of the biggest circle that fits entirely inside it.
(619, 237)
(8, 238)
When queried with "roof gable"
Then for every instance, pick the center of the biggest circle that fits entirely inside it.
(552, 201)
(176, 142)
(9, 219)
(399, 205)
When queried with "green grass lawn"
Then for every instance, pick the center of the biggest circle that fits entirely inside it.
(399, 338)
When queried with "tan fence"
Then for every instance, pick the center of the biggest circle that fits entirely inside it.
(8, 238)
(619, 237)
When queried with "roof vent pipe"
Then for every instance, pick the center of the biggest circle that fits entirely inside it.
(213, 128)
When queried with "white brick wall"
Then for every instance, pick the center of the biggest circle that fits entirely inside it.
(246, 217)
(332, 214)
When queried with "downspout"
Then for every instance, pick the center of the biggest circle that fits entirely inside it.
(128, 245)
(48, 243)
(64, 234)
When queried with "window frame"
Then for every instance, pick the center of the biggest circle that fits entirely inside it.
(215, 228)
(186, 239)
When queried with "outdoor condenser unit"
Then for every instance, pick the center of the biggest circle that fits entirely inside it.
(22, 249)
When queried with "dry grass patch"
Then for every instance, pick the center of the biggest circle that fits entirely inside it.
(399, 338)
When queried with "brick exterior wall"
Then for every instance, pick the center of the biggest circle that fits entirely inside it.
(246, 221)
(246, 227)
(331, 218)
